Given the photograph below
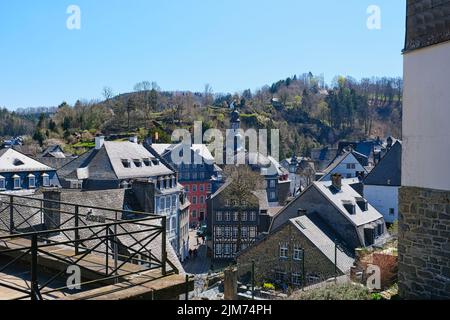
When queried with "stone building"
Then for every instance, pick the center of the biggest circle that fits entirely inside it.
(223, 222)
(301, 252)
(424, 201)
(342, 208)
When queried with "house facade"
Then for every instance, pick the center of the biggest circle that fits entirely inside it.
(347, 165)
(301, 173)
(424, 238)
(116, 165)
(338, 205)
(299, 253)
(224, 223)
(381, 186)
(197, 173)
(20, 174)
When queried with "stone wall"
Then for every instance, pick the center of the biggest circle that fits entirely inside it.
(424, 244)
(266, 255)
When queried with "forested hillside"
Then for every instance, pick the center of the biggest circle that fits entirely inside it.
(308, 113)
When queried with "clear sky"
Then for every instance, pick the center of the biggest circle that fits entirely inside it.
(184, 44)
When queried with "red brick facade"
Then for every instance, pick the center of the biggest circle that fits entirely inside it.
(197, 193)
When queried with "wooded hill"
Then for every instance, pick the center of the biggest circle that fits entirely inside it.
(308, 113)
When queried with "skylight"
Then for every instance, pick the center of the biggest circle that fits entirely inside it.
(18, 162)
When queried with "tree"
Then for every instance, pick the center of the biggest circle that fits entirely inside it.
(131, 105)
(208, 95)
(243, 181)
(107, 93)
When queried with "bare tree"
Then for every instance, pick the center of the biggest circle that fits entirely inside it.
(107, 93)
(243, 181)
(208, 95)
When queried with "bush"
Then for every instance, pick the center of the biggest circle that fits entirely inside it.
(335, 292)
(268, 286)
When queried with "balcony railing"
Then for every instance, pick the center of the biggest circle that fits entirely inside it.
(30, 228)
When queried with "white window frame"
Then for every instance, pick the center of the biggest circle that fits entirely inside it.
(284, 250)
(219, 216)
(2, 183)
(31, 178)
(45, 180)
(296, 279)
(15, 180)
(297, 254)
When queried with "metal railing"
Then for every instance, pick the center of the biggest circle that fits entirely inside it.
(30, 227)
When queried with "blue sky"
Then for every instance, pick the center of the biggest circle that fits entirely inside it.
(184, 44)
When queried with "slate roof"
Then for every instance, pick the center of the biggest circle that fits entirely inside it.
(427, 23)
(56, 163)
(106, 163)
(14, 161)
(339, 160)
(347, 193)
(388, 172)
(116, 151)
(313, 228)
(53, 151)
(201, 149)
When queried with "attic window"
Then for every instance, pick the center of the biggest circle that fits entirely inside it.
(362, 204)
(349, 206)
(18, 162)
(155, 162)
(147, 162)
(137, 163)
(126, 163)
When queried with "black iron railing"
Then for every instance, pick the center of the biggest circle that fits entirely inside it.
(30, 227)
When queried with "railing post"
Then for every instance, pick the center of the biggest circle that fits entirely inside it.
(107, 251)
(34, 268)
(116, 252)
(163, 244)
(77, 232)
(11, 214)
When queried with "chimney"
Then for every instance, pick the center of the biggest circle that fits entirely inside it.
(230, 284)
(144, 192)
(51, 208)
(148, 141)
(336, 181)
(134, 139)
(99, 142)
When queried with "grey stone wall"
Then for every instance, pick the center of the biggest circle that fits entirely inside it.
(424, 243)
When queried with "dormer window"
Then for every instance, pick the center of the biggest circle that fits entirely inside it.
(167, 182)
(16, 180)
(126, 163)
(147, 162)
(173, 182)
(137, 163)
(349, 206)
(161, 183)
(2, 183)
(155, 162)
(31, 181)
(45, 180)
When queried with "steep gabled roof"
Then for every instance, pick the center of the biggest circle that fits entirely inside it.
(335, 163)
(388, 172)
(347, 195)
(323, 238)
(15, 161)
